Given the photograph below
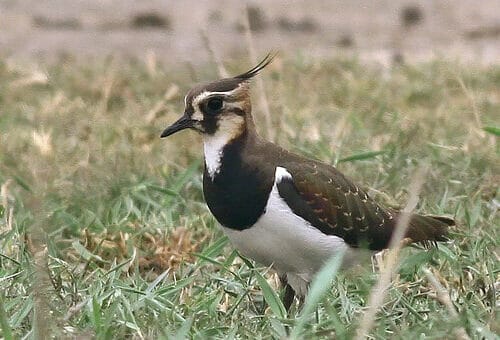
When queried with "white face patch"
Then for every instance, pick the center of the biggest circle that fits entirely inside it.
(229, 127)
(197, 115)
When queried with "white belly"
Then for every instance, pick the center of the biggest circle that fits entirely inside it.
(287, 242)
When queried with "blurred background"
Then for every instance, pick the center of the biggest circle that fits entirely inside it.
(104, 232)
(176, 31)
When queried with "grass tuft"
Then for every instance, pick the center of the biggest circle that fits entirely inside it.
(123, 245)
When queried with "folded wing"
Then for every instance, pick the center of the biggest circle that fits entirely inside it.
(333, 204)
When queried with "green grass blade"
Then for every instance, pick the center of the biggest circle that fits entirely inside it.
(163, 190)
(185, 176)
(84, 253)
(320, 286)
(361, 156)
(4, 322)
(494, 130)
(96, 315)
(22, 313)
(22, 183)
(183, 331)
(213, 250)
(270, 296)
(157, 281)
(118, 266)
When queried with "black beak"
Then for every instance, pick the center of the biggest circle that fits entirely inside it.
(183, 123)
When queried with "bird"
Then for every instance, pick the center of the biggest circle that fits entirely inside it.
(281, 209)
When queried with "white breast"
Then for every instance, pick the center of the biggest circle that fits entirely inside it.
(286, 241)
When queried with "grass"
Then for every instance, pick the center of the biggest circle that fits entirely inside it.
(104, 232)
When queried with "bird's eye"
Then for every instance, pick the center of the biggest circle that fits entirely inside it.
(214, 105)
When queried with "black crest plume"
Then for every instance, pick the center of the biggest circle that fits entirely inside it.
(257, 68)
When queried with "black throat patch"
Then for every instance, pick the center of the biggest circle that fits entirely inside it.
(238, 194)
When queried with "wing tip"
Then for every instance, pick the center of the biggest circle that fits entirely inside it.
(430, 229)
(449, 221)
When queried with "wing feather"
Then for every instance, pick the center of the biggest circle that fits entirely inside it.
(330, 202)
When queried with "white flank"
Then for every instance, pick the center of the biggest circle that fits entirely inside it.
(286, 241)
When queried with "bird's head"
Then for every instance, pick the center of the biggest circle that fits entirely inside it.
(221, 107)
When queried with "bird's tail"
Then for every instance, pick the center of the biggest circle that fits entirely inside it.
(428, 229)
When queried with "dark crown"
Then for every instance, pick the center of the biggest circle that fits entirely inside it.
(229, 84)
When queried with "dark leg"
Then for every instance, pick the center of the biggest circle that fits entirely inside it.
(288, 297)
(289, 294)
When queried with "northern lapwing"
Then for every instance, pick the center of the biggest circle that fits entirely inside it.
(279, 208)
